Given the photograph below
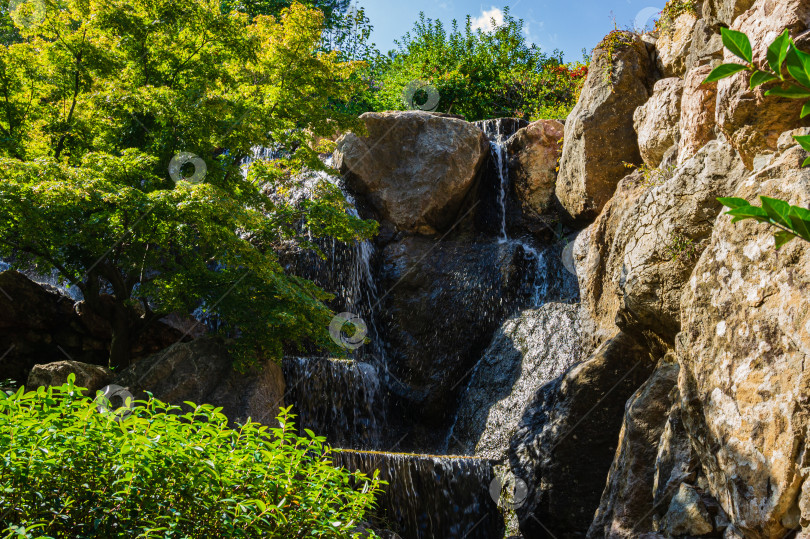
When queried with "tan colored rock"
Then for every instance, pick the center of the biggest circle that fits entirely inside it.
(749, 119)
(707, 43)
(598, 263)
(662, 236)
(726, 11)
(533, 155)
(687, 515)
(697, 113)
(674, 43)
(744, 353)
(90, 377)
(656, 122)
(415, 168)
(599, 134)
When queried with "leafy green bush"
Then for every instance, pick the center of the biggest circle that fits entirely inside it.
(69, 468)
(477, 74)
(792, 221)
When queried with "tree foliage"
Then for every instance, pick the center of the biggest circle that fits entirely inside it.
(75, 467)
(479, 74)
(102, 95)
(782, 56)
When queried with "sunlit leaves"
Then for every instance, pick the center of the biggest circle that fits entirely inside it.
(777, 52)
(70, 470)
(738, 43)
(791, 221)
(724, 70)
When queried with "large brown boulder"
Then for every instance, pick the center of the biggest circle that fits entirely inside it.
(744, 352)
(598, 258)
(749, 119)
(201, 371)
(533, 155)
(414, 168)
(656, 122)
(627, 507)
(90, 377)
(599, 134)
(698, 105)
(566, 440)
(674, 43)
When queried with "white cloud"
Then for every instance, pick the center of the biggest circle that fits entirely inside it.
(484, 22)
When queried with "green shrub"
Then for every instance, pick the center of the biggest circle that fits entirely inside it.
(70, 469)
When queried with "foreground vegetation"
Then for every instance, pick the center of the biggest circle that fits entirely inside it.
(74, 467)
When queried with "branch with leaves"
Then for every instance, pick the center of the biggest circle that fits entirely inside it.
(782, 55)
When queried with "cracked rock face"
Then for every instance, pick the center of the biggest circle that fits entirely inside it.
(599, 134)
(662, 235)
(656, 122)
(744, 353)
(674, 43)
(698, 106)
(414, 168)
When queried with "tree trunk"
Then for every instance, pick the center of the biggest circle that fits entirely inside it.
(120, 349)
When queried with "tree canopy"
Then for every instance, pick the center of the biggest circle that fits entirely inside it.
(101, 99)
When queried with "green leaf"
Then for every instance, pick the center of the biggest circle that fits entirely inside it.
(800, 225)
(738, 43)
(805, 109)
(803, 140)
(750, 212)
(733, 202)
(798, 65)
(761, 77)
(777, 210)
(806, 162)
(794, 92)
(723, 71)
(782, 238)
(777, 52)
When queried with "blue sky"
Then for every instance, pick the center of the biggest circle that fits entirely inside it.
(568, 25)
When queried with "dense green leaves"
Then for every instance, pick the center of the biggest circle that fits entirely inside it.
(758, 78)
(102, 95)
(477, 74)
(738, 43)
(791, 221)
(793, 92)
(777, 52)
(68, 468)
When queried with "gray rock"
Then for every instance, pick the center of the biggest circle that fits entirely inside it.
(627, 505)
(656, 122)
(528, 351)
(599, 134)
(567, 439)
(687, 515)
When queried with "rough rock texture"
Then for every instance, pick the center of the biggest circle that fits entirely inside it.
(201, 371)
(567, 438)
(597, 258)
(627, 505)
(599, 135)
(744, 352)
(726, 11)
(91, 377)
(674, 43)
(698, 106)
(40, 325)
(707, 43)
(527, 352)
(662, 235)
(443, 304)
(533, 155)
(656, 122)
(751, 121)
(687, 515)
(414, 168)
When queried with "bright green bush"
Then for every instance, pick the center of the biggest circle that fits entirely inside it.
(477, 74)
(69, 470)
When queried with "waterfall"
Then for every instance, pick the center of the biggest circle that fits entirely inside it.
(338, 399)
(431, 497)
